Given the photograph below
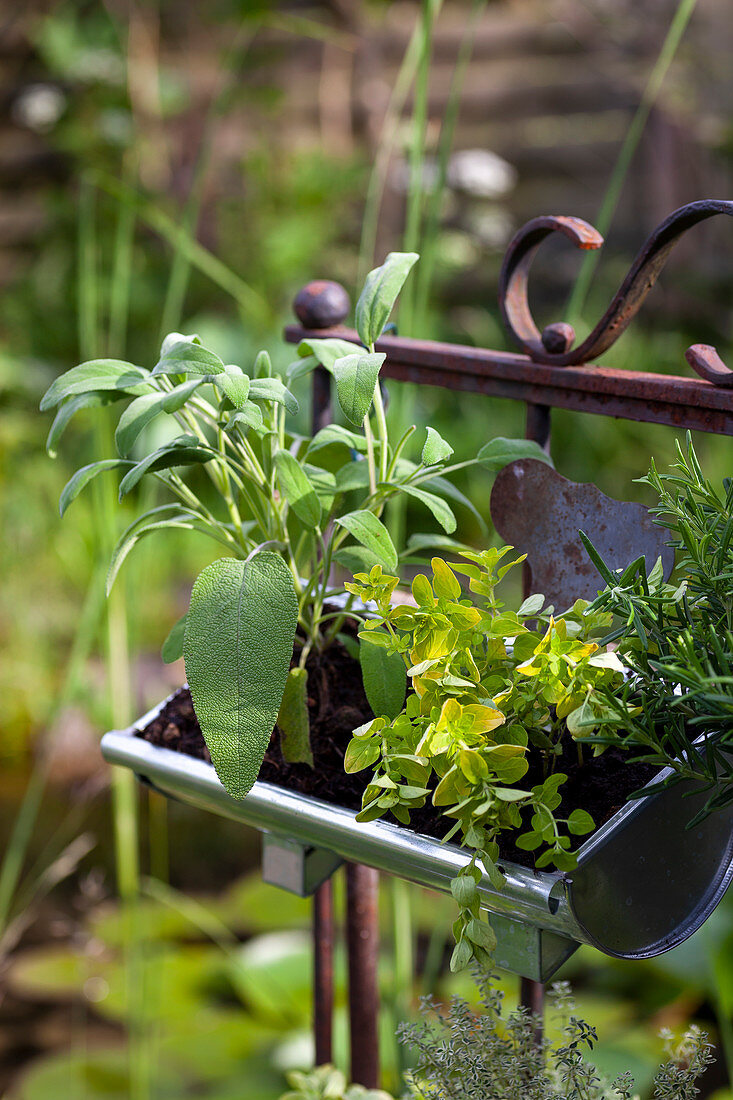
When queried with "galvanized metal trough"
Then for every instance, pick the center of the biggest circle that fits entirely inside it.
(643, 884)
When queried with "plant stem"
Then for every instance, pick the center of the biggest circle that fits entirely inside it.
(677, 28)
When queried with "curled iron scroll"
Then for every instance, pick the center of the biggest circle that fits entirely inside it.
(554, 345)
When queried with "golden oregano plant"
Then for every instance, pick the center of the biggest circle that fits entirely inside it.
(488, 683)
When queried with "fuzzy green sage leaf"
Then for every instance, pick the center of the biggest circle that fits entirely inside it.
(385, 678)
(237, 651)
(356, 376)
(371, 532)
(293, 721)
(297, 488)
(381, 289)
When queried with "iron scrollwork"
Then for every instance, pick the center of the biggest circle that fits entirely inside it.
(553, 345)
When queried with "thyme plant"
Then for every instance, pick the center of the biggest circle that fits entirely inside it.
(676, 637)
(493, 1055)
(287, 508)
(488, 683)
(462, 1054)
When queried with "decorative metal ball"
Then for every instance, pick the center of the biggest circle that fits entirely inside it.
(322, 304)
(558, 338)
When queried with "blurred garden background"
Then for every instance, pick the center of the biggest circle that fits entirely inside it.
(167, 165)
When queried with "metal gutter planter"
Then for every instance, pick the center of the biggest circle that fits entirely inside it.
(643, 883)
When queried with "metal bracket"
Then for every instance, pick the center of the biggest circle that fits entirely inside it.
(295, 867)
(527, 950)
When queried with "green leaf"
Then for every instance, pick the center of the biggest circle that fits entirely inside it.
(419, 542)
(263, 365)
(385, 679)
(353, 475)
(328, 351)
(361, 753)
(235, 384)
(580, 822)
(532, 605)
(297, 489)
(172, 648)
(435, 449)
(293, 721)
(357, 559)
(69, 408)
(461, 957)
(157, 519)
(97, 375)
(463, 888)
(481, 933)
(381, 289)
(370, 532)
(442, 511)
(356, 376)
(272, 389)
(249, 416)
(142, 410)
(186, 355)
(335, 433)
(82, 477)
(500, 452)
(238, 647)
(183, 451)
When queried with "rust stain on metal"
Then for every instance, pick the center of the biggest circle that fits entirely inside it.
(704, 359)
(540, 512)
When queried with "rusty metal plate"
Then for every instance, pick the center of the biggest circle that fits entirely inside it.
(540, 512)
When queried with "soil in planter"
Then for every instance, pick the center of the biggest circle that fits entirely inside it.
(337, 704)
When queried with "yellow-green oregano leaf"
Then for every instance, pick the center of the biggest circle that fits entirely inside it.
(237, 651)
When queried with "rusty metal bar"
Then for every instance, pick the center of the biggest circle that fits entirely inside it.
(362, 936)
(632, 395)
(320, 399)
(323, 972)
(538, 426)
(532, 997)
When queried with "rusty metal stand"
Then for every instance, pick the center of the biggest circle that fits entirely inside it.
(362, 936)
(323, 972)
(532, 997)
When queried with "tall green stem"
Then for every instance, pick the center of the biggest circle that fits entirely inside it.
(603, 220)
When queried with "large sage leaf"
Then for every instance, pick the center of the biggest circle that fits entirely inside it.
(183, 451)
(272, 389)
(142, 410)
(381, 289)
(235, 385)
(96, 375)
(328, 351)
(82, 477)
(187, 355)
(237, 651)
(293, 721)
(356, 376)
(297, 488)
(371, 532)
(385, 679)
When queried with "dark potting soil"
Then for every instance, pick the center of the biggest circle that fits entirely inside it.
(337, 705)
